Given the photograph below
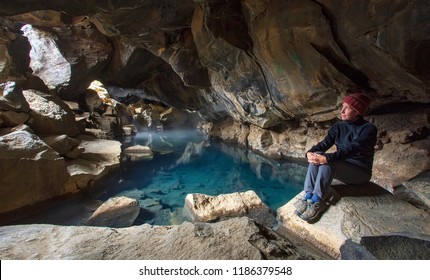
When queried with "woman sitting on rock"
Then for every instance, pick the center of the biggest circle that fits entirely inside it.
(352, 162)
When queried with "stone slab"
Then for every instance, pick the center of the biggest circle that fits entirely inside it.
(234, 239)
(368, 210)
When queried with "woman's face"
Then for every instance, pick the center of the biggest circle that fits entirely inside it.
(347, 113)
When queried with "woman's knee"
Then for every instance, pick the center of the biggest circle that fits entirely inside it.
(350, 173)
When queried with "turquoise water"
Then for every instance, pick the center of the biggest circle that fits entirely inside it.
(184, 162)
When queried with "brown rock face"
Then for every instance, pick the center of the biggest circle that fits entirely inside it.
(260, 62)
(277, 68)
(387, 42)
(67, 58)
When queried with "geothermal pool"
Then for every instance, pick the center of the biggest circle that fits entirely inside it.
(183, 162)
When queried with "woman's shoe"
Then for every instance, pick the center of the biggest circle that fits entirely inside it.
(301, 206)
(314, 211)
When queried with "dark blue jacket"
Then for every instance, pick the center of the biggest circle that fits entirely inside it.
(355, 142)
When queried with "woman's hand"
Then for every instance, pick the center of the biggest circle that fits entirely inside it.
(316, 159)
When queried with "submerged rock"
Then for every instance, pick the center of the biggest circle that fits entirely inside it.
(138, 152)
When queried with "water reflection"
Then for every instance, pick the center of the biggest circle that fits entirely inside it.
(267, 169)
(185, 162)
(192, 151)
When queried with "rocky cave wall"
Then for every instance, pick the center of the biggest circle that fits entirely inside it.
(269, 74)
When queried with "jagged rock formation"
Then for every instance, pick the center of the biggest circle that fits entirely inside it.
(43, 152)
(271, 66)
(257, 61)
(268, 75)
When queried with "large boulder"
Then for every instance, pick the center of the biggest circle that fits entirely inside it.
(62, 144)
(416, 191)
(31, 171)
(235, 239)
(63, 58)
(116, 212)
(50, 115)
(99, 158)
(206, 208)
(12, 98)
(396, 164)
(351, 250)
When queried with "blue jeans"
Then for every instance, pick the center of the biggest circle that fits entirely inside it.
(319, 177)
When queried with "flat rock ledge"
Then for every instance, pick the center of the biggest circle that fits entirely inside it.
(357, 213)
(237, 238)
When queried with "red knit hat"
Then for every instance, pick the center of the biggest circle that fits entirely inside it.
(358, 101)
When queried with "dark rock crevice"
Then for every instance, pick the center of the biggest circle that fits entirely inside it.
(275, 246)
(356, 76)
(278, 111)
(331, 18)
(225, 19)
